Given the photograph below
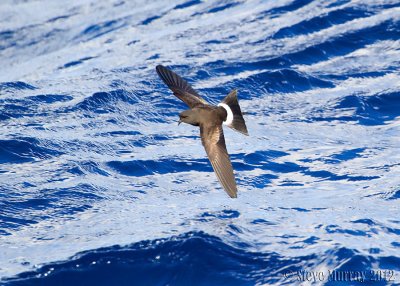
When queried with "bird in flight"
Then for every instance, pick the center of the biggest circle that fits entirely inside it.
(210, 119)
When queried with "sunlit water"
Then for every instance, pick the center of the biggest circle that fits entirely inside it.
(99, 186)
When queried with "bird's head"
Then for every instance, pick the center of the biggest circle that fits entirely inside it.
(189, 117)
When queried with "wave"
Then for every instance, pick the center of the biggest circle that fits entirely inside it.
(22, 209)
(196, 258)
(321, 22)
(139, 168)
(24, 150)
(15, 85)
(100, 29)
(104, 102)
(367, 110)
(30, 106)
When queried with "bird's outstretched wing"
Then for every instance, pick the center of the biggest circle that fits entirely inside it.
(180, 87)
(214, 142)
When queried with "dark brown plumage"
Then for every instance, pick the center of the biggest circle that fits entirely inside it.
(210, 119)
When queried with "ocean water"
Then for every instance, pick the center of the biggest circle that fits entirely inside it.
(100, 186)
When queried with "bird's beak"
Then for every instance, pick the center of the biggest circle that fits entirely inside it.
(179, 122)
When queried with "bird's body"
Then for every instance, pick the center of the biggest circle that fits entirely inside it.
(210, 120)
(204, 115)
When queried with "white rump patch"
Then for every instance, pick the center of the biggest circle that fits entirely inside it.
(229, 117)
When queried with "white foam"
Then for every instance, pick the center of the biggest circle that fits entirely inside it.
(229, 117)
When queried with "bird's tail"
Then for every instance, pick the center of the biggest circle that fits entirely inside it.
(234, 117)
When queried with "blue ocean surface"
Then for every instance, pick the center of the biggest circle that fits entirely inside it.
(100, 186)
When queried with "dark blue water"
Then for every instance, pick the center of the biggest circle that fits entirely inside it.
(99, 186)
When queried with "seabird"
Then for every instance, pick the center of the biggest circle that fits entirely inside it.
(210, 119)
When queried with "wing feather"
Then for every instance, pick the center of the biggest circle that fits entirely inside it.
(180, 87)
(214, 142)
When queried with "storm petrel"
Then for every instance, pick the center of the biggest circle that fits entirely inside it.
(210, 119)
